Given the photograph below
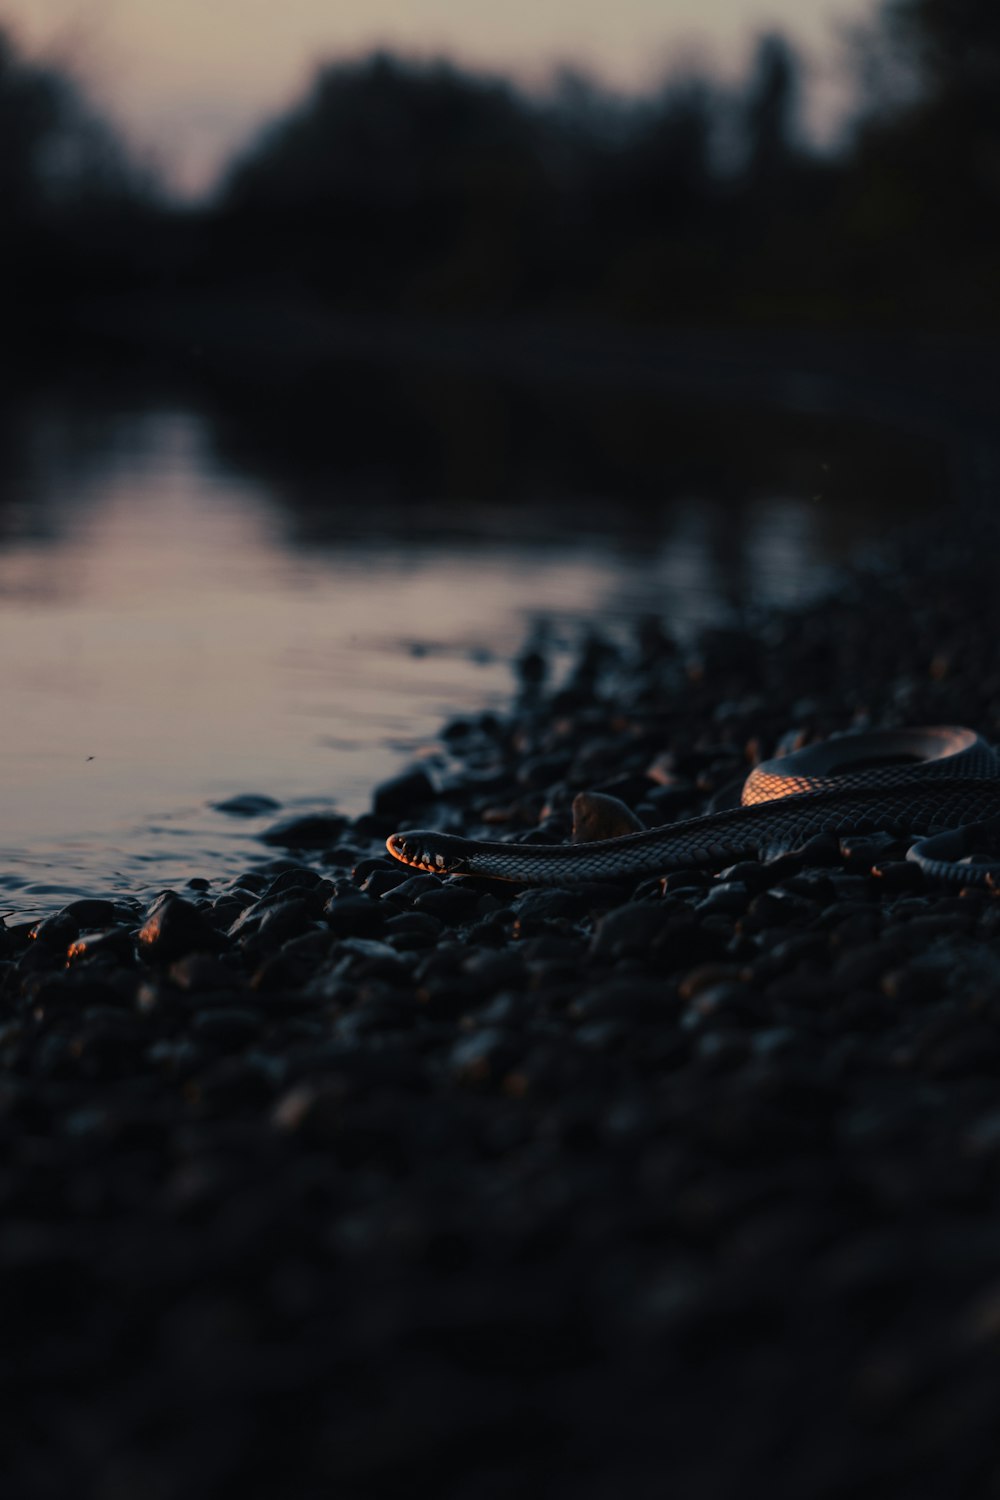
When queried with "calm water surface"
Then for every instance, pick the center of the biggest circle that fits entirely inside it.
(175, 629)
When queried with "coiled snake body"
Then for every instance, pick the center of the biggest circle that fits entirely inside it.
(903, 781)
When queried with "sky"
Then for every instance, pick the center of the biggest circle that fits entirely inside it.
(191, 79)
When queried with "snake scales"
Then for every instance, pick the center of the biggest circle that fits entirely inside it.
(904, 781)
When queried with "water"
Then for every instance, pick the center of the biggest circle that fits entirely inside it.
(194, 604)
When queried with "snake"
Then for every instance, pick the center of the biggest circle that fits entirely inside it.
(939, 785)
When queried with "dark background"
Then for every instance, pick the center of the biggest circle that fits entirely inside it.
(396, 189)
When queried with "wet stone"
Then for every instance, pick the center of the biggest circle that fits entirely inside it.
(820, 852)
(198, 973)
(925, 929)
(287, 920)
(314, 831)
(864, 965)
(546, 905)
(485, 1056)
(227, 909)
(490, 972)
(115, 943)
(174, 928)
(596, 815)
(300, 878)
(620, 1000)
(354, 915)
(722, 1050)
(55, 932)
(384, 882)
(228, 1027)
(92, 913)
(728, 898)
(603, 1036)
(914, 984)
(241, 1082)
(542, 771)
(403, 794)
(705, 976)
(247, 805)
(749, 874)
(343, 857)
(554, 948)
(415, 922)
(363, 868)
(450, 904)
(247, 921)
(629, 929)
(776, 908)
(729, 999)
(630, 788)
(407, 891)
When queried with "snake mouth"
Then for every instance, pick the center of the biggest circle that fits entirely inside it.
(421, 851)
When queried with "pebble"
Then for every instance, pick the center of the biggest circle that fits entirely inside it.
(230, 1026)
(90, 913)
(628, 929)
(314, 831)
(115, 943)
(402, 795)
(350, 914)
(486, 1056)
(174, 927)
(247, 805)
(449, 904)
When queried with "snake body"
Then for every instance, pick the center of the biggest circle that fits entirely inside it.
(904, 782)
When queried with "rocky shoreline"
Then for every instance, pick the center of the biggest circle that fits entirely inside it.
(336, 1178)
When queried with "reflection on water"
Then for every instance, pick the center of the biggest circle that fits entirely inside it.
(183, 620)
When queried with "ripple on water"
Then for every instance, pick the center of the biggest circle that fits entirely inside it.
(202, 844)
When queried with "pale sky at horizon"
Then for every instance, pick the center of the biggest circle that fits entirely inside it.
(190, 79)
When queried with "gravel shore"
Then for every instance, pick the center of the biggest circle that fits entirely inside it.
(341, 1180)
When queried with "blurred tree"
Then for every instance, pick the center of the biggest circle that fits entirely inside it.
(401, 179)
(921, 204)
(76, 211)
(651, 192)
(54, 149)
(953, 44)
(771, 112)
(668, 164)
(31, 106)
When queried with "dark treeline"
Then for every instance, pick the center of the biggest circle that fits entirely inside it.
(75, 209)
(420, 189)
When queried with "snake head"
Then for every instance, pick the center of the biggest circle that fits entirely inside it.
(437, 853)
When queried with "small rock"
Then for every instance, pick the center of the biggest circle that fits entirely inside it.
(358, 916)
(87, 913)
(597, 816)
(247, 805)
(55, 932)
(403, 794)
(114, 942)
(315, 831)
(173, 928)
(485, 1056)
(450, 904)
(229, 1027)
(628, 929)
